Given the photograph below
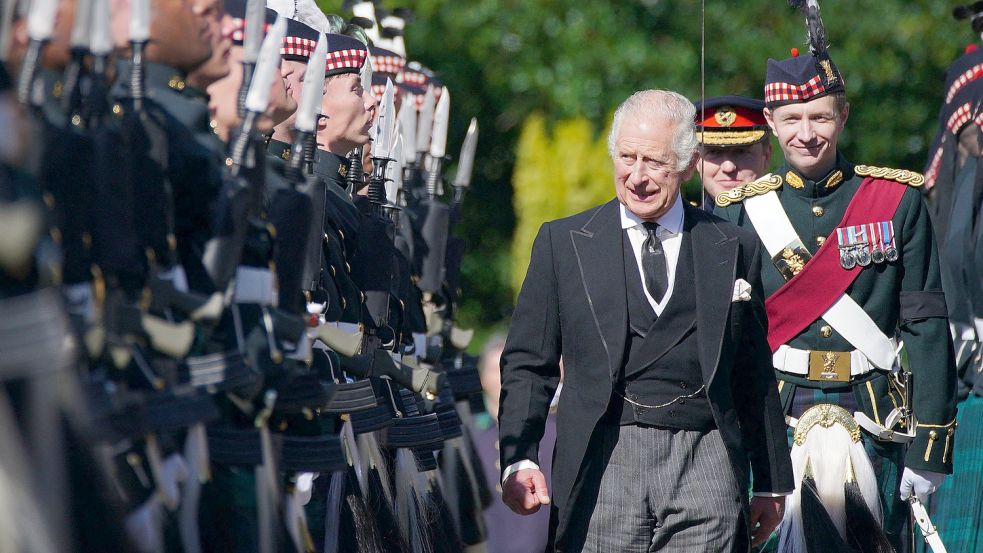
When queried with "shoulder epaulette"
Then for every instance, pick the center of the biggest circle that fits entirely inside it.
(903, 176)
(763, 185)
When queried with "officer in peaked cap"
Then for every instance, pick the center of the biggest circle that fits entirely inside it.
(859, 241)
(735, 146)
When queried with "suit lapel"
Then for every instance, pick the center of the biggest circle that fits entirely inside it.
(599, 250)
(715, 266)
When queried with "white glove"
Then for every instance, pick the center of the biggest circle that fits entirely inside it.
(173, 471)
(143, 526)
(920, 483)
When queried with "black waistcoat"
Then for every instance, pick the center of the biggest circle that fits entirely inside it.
(663, 354)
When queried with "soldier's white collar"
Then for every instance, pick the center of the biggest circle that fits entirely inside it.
(671, 220)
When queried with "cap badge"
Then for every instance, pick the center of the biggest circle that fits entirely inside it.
(725, 116)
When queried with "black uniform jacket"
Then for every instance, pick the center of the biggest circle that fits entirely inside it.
(573, 304)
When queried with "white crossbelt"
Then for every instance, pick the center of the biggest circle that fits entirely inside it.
(845, 316)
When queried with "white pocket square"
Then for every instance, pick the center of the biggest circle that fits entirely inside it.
(742, 290)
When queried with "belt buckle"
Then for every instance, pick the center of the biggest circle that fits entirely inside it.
(829, 366)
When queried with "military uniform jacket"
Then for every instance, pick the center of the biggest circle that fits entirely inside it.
(574, 304)
(904, 298)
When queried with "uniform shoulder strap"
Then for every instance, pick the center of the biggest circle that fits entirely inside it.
(903, 176)
(763, 185)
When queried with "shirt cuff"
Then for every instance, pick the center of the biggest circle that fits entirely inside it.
(517, 466)
(771, 494)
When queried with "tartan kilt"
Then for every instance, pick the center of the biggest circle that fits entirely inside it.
(957, 507)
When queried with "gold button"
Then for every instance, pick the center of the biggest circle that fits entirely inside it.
(820, 240)
(825, 331)
(933, 435)
(818, 211)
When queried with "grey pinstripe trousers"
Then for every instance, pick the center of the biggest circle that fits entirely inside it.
(666, 490)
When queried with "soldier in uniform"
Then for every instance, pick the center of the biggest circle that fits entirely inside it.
(859, 240)
(735, 147)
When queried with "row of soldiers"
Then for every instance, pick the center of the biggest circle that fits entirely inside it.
(229, 283)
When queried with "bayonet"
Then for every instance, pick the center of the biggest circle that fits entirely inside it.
(309, 108)
(465, 164)
(407, 123)
(139, 35)
(424, 126)
(79, 41)
(40, 25)
(438, 144)
(252, 40)
(6, 22)
(381, 147)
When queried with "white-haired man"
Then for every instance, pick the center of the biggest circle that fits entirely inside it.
(669, 407)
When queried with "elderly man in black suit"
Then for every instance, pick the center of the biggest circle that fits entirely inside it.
(670, 406)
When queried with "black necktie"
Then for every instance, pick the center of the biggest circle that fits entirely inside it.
(654, 264)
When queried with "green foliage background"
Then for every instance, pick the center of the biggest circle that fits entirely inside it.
(543, 76)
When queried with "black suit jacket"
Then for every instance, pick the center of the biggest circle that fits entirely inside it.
(573, 304)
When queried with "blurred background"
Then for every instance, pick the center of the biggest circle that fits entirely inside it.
(544, 76)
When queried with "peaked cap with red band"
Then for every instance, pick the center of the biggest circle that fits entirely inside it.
(730, 121)
(800, 79)
(237, 11)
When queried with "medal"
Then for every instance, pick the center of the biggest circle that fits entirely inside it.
(887, 236)
(863, 256)
(847, 260)
(877, 243)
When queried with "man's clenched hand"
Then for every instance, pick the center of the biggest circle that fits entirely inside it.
(525, 491)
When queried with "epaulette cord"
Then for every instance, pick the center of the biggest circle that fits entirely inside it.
(903, 176)
(763, 185)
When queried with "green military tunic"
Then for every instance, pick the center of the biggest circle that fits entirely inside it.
(901, 297)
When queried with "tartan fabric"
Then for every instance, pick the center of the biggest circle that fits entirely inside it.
(414, 78)
(933, 168)
(789, 92)
(237, 30)
(963, 79)
(957, 507)
(298, 47)
(962, 115)
(346, 59)
(388, 64)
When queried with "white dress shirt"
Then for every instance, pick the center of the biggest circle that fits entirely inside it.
(669, 232)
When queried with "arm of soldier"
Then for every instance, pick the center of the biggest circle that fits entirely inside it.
(925, 331)
(530, 374)
(755, 391)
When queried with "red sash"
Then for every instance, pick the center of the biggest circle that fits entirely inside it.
(804, 298)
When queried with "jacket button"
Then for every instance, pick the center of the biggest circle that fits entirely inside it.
(825, 331)
(682, 402)
(820, 240)
(682, 385)
(818, 211)
(672, 413)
